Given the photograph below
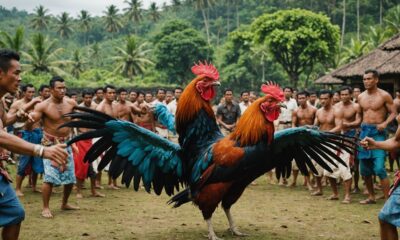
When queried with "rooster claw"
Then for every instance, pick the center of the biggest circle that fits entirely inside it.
(212, 237)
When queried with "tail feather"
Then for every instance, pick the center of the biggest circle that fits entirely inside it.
(180, 198)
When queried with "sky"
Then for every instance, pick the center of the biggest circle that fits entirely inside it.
(95, 7)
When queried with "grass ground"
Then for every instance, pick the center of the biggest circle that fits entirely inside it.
(265, 211)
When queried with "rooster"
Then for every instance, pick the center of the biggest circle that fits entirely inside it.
(213, 169)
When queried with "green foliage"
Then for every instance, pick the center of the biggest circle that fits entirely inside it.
(176, 52)
(297, 39)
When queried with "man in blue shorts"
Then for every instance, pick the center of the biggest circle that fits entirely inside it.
(31, 133)
(11, 210)
(378, 111)
(389, 216)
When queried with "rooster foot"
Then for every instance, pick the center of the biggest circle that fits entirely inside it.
(236, 232)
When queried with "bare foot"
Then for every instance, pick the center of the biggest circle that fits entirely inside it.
(368, 201)
(69, 207)
(113, 187)
(292, 185)
(333, 197)
(97, 194)
(317, 193)
(35, 190)
(79, 195)
(99, 187)
(356, 190)
(46, 213)
(19, 193)
(346, 201)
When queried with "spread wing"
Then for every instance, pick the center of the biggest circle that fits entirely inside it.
(136, 153)
(303, 144)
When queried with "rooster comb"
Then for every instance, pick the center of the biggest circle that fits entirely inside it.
(206, 70)
(273, 89)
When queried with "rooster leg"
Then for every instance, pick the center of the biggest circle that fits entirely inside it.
(211, 233)
(232, 227)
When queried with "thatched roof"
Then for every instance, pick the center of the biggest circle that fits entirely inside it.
(385, 59)
(391, 44)
(328, 79)
(385, 62)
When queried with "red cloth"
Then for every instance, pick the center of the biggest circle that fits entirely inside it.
(81, 167)
(148, 126)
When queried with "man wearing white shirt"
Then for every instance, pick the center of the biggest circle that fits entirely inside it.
(245, 103)
(172, 105)
(285, 118)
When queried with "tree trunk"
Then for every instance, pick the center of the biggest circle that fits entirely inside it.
(343, 24)
(228, 20)
(380, 12)
(358, 20)
(237, 15)
(294, 79)
(206, 25)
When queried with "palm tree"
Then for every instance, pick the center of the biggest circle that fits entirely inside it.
(42, 56)
(13, 42)
(343, 23)
(64, 28)
(260, 55)
(77, 64)
(376, 36)
(134, 11)
(94, 53)
(112, 20)
(392, 20)
(133, 60)
(355, 50)
(41, 19)
(176, 5)
(154, 14)
(358, 20)
(85, 20)
(203, 5)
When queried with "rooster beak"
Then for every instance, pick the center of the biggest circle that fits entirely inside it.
(282, 105)
(216, 83)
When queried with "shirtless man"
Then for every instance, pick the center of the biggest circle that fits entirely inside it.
(83, 169)
(50, 112)
(108, 106)
(123, 106)
(145, 119)
(11, 210)
(394, 154)
(302, 116)
(378, 111)
(132, 96)
(44, 91)
(31, 133)
(350, 118)
(99, 95)
(328, 120)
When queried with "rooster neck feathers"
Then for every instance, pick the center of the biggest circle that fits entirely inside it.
(252, 126)
(190, 103)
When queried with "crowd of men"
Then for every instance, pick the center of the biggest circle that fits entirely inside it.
(36, 119)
